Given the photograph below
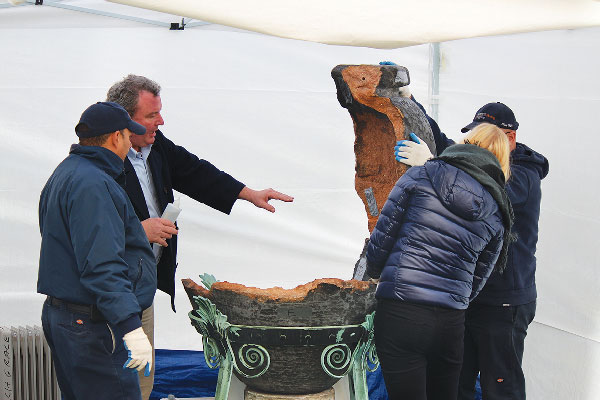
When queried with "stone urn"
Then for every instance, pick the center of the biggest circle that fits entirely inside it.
(286, 341)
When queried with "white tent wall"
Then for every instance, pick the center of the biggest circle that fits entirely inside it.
(261, 108)
(550, 80)
(264, 109)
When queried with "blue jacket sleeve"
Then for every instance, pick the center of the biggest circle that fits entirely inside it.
(441, 140)
(97, 228)
(386, 230)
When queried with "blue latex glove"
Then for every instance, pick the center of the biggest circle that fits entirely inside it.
(387, 63)
(412, 152)
(401, 143)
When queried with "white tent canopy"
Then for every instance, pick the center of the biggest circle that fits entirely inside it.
(265, 110)
(385, 23)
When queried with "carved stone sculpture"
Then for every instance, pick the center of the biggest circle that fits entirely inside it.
(381, 117)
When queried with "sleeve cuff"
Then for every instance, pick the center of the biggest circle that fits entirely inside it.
(129, 324)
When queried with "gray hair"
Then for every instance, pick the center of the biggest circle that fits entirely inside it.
(127, 91)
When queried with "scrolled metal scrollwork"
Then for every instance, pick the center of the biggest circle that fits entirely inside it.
(335, 360)
(211, 322)
(369, 355)
(254, 359)
(212, 357)
(372, 361)
(213, 327)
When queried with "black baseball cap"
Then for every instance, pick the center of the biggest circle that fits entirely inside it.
(497, 113)
(106, 117)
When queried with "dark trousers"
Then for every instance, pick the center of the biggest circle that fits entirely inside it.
(494, 344)
(420, 350)
(88, 357)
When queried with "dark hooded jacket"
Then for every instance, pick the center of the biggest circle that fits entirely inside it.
(437, 238)
(94, 250)
(516, 285)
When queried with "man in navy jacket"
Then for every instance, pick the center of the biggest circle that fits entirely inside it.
(154, 167)
(496, 322)
(96, 265)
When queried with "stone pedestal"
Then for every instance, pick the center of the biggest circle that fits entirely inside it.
(250, 394)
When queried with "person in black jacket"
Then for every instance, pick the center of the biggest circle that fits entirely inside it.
(443, 229)
(497, 321)
(154, 167)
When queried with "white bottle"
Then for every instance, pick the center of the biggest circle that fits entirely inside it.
(172, 211)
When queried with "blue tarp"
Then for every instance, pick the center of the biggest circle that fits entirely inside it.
(376, 386)
(184, 374)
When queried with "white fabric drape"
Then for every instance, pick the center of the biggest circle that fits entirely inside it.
(384, 23)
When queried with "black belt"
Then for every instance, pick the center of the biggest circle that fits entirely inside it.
(91, 310)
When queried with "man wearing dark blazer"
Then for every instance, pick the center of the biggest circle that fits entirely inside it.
(154, 167)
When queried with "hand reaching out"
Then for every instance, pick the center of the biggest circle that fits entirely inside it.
(260, 198)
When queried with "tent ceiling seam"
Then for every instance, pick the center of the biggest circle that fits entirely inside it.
(58, 4)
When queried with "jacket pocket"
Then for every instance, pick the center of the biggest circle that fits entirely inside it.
(138, 274)
(112, 337)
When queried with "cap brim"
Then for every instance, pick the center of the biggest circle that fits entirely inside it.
(136, 128)
(470, 126)
(79, 134)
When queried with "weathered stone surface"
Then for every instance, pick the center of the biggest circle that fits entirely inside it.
(381, 117)
(323, 302)
(193, 289)
(360, 268)
(328, 394)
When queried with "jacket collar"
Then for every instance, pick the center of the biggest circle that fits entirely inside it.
(524, 155)
(103, 158)
(482, 166)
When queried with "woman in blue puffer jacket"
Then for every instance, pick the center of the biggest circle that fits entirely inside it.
(444, 228)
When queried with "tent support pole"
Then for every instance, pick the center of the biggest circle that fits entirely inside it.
(434, 80)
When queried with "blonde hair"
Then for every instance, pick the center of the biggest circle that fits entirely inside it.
(492, 138)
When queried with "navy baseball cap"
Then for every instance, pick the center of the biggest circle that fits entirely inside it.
(106, 117)
(494, 113)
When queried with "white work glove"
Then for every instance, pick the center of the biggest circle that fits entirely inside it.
(404, 91)
(412, 152)
(139, 351)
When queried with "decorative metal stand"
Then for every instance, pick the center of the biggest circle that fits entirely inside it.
(349, 350)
